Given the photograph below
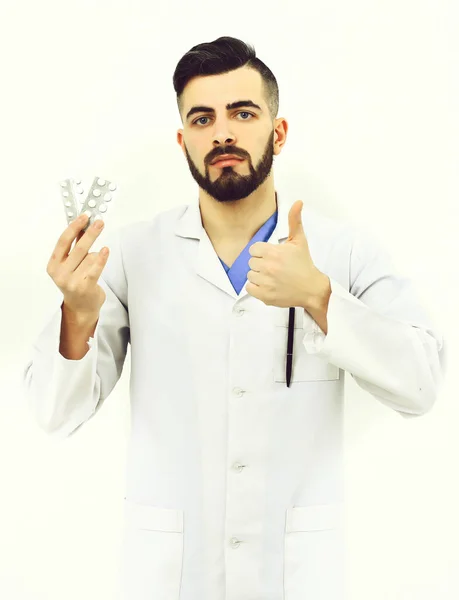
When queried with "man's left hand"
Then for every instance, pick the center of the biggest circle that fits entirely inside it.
(283, 274)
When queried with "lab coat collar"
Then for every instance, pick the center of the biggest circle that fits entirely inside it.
(208, 265)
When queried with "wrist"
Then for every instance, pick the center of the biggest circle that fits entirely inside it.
(80, 318)
(318, 300)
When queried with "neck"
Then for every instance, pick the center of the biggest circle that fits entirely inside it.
(237, 221)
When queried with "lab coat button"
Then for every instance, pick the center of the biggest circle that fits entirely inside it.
(238, 467)
(240, 311)
(235, 543)
(237, 391)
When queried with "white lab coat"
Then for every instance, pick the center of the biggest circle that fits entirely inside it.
(234, 481)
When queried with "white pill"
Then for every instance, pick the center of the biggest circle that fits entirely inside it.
(80, 190)
(112, 187)
(96, 193)
(92, 203)
(69, 213)
(63, 183)
(101, 182)
(103, 208)
(68, 203)
(107, 197)
(78, 181)
(65, 194)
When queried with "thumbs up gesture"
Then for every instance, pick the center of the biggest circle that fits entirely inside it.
(283, 274)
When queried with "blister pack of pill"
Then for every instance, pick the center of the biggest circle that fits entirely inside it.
(94, 205)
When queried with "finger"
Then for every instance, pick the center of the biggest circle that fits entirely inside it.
(66, 240)
(80, 235)
(97, 266)
(83, 245)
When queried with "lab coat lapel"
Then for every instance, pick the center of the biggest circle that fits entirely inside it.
(208, 265)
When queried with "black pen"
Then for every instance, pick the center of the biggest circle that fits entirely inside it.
(291, 327)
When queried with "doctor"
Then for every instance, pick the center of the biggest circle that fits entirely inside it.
(234, 479)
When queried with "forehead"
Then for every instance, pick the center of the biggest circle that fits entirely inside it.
(217, 91)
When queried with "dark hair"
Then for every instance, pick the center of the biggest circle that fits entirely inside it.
(220, 56)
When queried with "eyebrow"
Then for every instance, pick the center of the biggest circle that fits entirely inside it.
(230, 106)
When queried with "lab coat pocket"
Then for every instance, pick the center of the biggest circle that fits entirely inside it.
(152, 552)
(305, 366)
(314, 553)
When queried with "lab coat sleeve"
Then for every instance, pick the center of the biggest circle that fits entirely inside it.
(63, 394)
(379, 332)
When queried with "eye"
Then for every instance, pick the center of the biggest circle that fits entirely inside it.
(242, 112)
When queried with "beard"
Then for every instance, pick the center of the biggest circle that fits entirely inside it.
(229, 185)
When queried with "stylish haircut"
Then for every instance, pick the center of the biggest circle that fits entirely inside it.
(220, 56)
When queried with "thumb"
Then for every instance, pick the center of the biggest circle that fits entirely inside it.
(295, 224)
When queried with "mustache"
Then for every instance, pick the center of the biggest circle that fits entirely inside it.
(214, 157)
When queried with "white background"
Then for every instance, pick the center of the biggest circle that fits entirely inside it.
(371, 95)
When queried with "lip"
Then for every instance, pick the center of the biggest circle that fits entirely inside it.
(228, 162)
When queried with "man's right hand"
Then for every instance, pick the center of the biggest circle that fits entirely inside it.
(76, 272)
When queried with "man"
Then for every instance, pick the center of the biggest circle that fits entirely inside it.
(234, 479)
